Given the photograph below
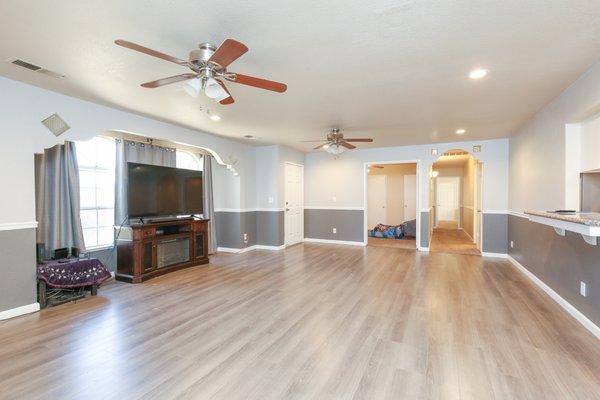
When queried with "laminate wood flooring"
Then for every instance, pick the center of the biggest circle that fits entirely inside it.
(314, 321)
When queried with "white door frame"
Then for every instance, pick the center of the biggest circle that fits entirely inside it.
(478, 205)
(417, 201)
(285, 206)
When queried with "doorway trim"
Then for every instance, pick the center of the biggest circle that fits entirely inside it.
(366, 166)
(285, 225)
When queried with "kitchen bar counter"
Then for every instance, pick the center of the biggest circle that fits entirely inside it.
(587, 224)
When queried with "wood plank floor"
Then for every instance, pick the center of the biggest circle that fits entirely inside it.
(312, 322)
(409, 244)
(448, 238)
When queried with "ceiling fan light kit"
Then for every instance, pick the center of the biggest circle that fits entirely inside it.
(209, 70)
(335, 143)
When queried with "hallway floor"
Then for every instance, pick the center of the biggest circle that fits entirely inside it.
(448, 238)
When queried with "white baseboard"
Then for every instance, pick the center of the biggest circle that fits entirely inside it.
(330, 241)
(495, 255)
(426, 249)
(249, 248)
(262, 247)
(15, 312)
(575, 313)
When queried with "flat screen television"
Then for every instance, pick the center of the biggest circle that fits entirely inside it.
(154, 191)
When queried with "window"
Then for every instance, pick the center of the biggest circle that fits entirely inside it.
(187, 160)
(96, 159)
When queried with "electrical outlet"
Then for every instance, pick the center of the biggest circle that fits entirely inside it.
(334, 199)
(271, 200)
(245, 238)
(583, 288)
(512, 244)
(334, 230)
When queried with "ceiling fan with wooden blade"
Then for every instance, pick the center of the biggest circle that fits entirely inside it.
(336, 143)
(209, 70)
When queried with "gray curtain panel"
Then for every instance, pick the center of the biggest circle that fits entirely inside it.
(57, 178)
(143, 153)
(209, 207)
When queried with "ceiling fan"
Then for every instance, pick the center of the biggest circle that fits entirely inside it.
(209, 70)
(336, 143)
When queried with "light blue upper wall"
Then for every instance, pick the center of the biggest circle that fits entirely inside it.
(537, 150)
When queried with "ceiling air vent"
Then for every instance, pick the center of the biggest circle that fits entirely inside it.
(25, 64)
(35, 68)
(56, 124)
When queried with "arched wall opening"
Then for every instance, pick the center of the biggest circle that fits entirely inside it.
(456, 202)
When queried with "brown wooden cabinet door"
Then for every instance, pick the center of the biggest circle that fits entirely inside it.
(148, 256)
(199, 245)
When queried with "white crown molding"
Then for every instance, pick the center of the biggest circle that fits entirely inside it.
(568, 307)
(333, 208)
(331, 241)
(10, 226)
(15, 312)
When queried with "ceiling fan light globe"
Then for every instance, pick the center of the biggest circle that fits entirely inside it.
(335, 149)
(192, 87)
(213, 89)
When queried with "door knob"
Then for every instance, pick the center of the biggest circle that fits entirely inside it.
(287, 209)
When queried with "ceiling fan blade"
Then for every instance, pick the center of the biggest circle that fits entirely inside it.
(167, 81)
(320, 146)
(260, 83)
(346, 144)
(359, 140)
(150, 52)
(229, 51)
(226, 100)
(312, 141)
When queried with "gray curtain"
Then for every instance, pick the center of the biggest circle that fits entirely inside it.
(209, 207)
(143, 153)
(57, 202)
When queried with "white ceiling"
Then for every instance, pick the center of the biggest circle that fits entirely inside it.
(389, 69)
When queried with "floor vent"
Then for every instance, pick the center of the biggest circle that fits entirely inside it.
(35, 68)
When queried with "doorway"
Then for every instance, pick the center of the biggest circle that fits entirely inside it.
(456, 181)
(294, 204)
(391, 204)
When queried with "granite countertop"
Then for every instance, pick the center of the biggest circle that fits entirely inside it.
(584, 218)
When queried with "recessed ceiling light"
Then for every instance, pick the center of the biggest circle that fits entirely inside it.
(460, 131)
(478, 73)
(215, 117)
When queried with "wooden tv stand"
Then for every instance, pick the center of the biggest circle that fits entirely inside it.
(152, 249)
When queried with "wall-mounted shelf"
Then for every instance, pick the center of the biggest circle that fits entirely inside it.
(577, 223)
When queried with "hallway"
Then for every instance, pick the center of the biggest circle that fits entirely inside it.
(448, 238)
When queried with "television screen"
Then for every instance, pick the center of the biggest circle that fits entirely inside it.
(163, 191)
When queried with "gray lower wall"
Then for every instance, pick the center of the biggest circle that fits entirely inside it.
(263, 228)
(319, 224)
(108, 257)
(17, 268)
(561, 262)
(495, 233)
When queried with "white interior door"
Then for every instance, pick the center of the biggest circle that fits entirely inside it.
(410, 197)
(448, 198)
(376, 199)
(294, 203)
